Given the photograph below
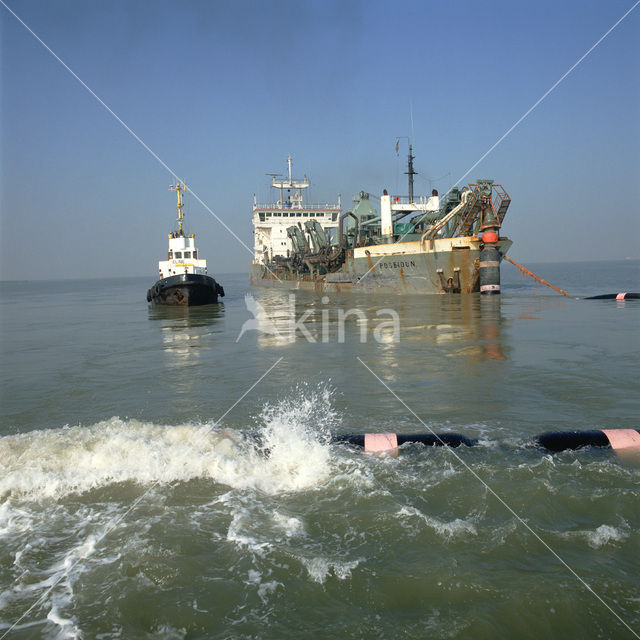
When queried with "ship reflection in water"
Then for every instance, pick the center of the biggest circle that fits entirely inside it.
(455, 326)
(441, 347)
(186, 335)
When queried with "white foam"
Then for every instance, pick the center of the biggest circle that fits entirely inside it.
(320, 568)
(603, 535)
(264, 588)
(599, 537)
(447, 530)
(292, 527)
(235, 535)
(167, 632)
(57, 462)
(66, 626)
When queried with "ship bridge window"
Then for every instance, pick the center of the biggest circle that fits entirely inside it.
(268, 215)
(305, 215)
(276, 214)
(195, 254)
(285, 215)
(178, 254)
(187, 254)
(261, 217)
(334, 216)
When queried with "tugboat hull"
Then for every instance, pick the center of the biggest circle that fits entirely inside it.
(186, 289)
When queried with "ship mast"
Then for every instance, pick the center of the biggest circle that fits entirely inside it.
(411, 172)
(179, 188)
(290, 183)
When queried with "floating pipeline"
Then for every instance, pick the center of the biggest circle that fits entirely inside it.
(373, 441)
(615, 296)
(606, 296)
(618, 439)
(563, 440)
(614, 438)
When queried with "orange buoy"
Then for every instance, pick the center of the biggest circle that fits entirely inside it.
(490, 236)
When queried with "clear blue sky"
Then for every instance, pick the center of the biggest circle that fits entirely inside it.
(224, 91)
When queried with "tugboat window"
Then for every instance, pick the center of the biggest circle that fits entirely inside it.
(187, 254)
(178, 254)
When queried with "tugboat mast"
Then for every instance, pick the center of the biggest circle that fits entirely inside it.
(179, 188)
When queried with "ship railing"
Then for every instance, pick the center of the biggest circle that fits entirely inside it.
(405, 200)
(295, 207)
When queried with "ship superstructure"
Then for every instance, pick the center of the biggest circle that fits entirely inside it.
(423, 244)
(272, 236)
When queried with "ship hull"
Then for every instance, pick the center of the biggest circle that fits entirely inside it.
(185, 290)
(445, 265)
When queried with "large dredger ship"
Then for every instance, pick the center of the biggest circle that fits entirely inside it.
(391, 243)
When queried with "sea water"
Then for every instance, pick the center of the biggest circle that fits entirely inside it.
(160, 478)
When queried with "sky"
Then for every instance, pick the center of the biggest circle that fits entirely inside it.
(223, 92)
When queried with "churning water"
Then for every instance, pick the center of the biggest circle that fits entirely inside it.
(149, 488)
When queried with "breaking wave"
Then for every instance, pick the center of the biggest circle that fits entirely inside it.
(287, 452)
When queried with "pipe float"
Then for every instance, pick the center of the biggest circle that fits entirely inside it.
(622, 440)
(615, 438)
(615, 296)
(563, 440)
(394, 440)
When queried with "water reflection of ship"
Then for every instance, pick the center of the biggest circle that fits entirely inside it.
(184, 330)
(466, 326)
(490, 321)
(458, 326)
(181, 317)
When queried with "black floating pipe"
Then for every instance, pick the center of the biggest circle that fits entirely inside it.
(563, 440)
(428, 439)
(551, 440)
(615, 296)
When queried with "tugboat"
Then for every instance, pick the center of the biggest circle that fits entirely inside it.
(183, 276)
